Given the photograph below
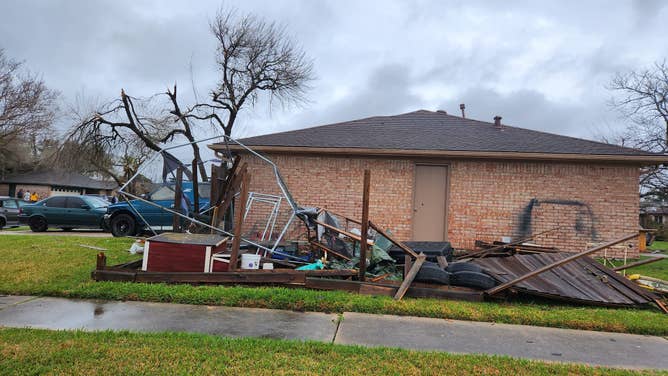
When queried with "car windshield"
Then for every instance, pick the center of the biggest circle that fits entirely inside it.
(97, 202)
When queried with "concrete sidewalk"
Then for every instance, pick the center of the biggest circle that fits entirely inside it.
(561, 345)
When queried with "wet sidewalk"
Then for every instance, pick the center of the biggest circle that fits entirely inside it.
(57, 313)
(560, 345)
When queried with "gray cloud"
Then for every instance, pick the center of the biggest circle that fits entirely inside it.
(541, 65)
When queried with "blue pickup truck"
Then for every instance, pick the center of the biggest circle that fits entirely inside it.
(124, 220)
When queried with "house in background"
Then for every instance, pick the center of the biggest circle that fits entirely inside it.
(54, 183)
(653, 213)
(440, 177)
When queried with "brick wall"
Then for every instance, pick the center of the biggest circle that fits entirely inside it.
(594, 202)
(487, 200)
(336, 184)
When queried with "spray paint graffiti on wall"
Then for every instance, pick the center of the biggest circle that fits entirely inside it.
(585, 222)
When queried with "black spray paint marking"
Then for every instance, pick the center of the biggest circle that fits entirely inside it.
(584, 213)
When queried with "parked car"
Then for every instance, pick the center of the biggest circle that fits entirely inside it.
(125, 218)
(9, 211)
(65, 212)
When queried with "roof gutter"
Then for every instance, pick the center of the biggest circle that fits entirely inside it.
(408, 153)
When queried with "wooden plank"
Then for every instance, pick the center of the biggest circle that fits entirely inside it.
(503, 286)
(223, 277)
(410, 277)
(344, 217)
(178, 195)
(660, 304)
(231, 188)
(343, 232)
(215, 221)
(136, 264)
(498, 247)
(332, 284)
(195, 167)
(101, 261)
(243, 197)
(215, 183)
(393, 240)
(440, 292)
(638, 263)
(442, 261)
(113, 275)
(365, 225)
(330, 273)
(380, 277)
(368, 289)
(327, 249)
(408, 262)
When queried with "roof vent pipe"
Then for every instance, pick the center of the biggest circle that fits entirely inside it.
(462, 107)
(497, 121)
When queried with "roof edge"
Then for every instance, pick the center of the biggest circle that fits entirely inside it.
(636, 159)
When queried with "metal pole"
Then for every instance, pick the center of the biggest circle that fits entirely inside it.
(365, 224)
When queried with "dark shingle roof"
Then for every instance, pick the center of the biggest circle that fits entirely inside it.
(59, 178)
(429, 130)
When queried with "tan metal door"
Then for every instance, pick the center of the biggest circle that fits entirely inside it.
(429, 206)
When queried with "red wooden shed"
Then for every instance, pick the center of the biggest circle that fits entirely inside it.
(182, 252)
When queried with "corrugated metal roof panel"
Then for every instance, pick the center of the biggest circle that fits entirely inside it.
(583, 280)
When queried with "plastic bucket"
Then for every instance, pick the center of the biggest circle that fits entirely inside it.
(250, 261)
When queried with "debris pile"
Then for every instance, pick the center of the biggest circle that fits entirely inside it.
(336, 252)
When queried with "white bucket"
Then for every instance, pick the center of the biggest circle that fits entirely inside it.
(268, 266)
(250, 261)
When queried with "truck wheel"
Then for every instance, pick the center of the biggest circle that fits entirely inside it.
(123, 225)
(38, 224)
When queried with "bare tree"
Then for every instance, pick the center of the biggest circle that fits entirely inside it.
(254, 57)
(27, 107)
(134, 127)
(115, 139)
(643, 99)
(119, 163)
(186, 131)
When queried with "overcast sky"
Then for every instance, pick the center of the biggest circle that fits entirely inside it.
(538, 64)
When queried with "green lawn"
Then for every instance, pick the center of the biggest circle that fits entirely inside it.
(657, 269)
(19, 228)
(59, 266)
(32, 351)
(658, 245)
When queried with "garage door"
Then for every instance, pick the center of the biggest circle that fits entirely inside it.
(64, 192)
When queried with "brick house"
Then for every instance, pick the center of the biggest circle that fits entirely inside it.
(436, 176)
(53, 183)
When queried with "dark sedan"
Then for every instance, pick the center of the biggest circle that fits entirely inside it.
(65, 212)
(9, 211)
